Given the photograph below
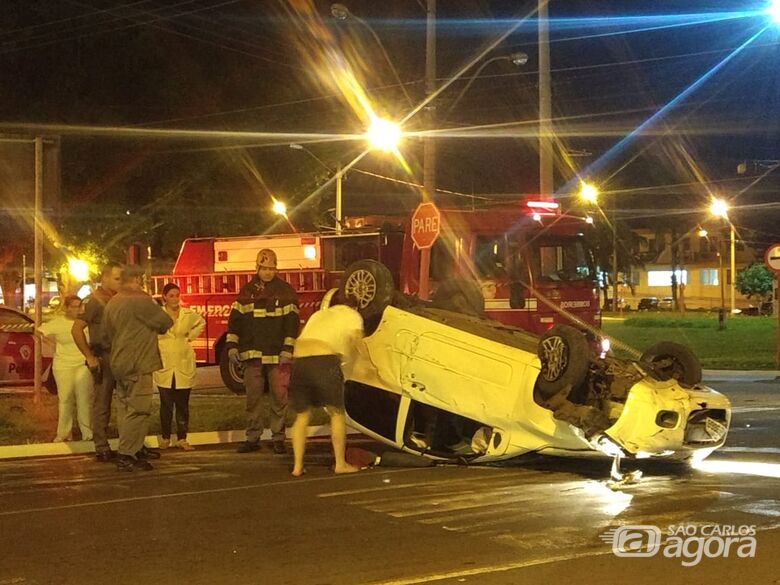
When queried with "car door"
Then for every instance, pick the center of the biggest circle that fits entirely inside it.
(458, 372)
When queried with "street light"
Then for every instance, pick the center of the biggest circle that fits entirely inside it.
(383, 135)
(517, 59)
(720, 208)
(279, 208)
(774, 11)
(589, 192)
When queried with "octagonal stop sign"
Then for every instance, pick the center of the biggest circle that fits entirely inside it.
(426, 225)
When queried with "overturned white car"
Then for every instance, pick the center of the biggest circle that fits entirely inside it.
(451, 386)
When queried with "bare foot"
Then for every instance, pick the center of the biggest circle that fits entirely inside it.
(346, 468)
(298, 472)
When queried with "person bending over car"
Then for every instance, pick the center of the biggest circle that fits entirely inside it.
(328, 340)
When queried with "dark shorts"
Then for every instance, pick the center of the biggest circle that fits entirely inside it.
(316, 381)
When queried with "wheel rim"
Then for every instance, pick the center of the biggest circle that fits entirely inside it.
(236, 372)
(555, 358)
(361, 284)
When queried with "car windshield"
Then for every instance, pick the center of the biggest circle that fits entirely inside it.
(561, 259)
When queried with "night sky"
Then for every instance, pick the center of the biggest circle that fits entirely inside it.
(703, 75)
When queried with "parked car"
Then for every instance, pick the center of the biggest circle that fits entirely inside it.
(666, 303)
(453, 386)
(17, 351)
(647, 304)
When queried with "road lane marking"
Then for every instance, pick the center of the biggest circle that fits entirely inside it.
(743, 409)
(770, 450)
(291, 481)
(494, 569)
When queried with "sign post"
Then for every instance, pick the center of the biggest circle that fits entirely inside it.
(772, 260)
(426, 226)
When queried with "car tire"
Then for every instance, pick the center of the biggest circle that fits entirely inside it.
(461, 295)
(565, 357)
(232, 375)
(371, 283)
(673, 360)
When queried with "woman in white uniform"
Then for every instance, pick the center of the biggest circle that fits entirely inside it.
(177, 377)
(74, 380)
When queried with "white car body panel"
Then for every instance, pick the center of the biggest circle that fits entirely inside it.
(424, 360)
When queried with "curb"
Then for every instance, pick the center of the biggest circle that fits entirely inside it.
(85, 447)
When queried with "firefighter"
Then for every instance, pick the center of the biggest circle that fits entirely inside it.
(262, 328)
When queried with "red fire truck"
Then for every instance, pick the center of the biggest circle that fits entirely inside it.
(532, 264)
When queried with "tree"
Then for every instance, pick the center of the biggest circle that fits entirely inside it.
(755, 280)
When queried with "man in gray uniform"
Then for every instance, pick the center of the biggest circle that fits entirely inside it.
(96, 354)
(132, 322)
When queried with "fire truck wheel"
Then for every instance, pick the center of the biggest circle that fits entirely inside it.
(371, 283)
(232, 375)
(673, 360)
(461, 295)
(565, 357)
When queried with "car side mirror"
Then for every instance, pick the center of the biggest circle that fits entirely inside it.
(516, 295)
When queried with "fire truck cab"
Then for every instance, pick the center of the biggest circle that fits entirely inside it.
(534, 269)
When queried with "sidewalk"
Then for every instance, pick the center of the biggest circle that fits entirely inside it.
(83, 447)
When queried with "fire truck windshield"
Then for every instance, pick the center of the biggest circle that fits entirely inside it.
(557, 258)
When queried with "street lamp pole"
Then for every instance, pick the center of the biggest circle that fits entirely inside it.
(338, 199)
(339, 176)
(429, 146)
(546, 187)
(733, 269)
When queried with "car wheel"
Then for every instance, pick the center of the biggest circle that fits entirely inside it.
(371, 283)
(232, 375)
(461, 295)
(673, 360)
(565, 356)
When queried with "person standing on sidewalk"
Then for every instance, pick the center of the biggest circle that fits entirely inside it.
(177, 376)
(96, 352)
(74, 382)
(328, 341)
(133, 320)
(262, 328)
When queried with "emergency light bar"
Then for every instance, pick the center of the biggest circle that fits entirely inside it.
(537, 209)
(545, 205)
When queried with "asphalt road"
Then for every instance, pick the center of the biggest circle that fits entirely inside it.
(214, 516)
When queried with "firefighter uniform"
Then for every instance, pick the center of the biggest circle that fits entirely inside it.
(262, 328)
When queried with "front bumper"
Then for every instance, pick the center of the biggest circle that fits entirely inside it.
(664, 419)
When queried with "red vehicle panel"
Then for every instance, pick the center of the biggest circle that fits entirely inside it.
(535, 270)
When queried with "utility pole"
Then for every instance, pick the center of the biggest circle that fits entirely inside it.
(38, 264)
(338, 199)
(546, 187)
(429, 146)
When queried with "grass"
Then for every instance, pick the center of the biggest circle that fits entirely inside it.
(747, 343)
(22, 421)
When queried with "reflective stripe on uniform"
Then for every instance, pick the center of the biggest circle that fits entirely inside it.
(253, 354)
(278, 312)
(231, 338)
(289, 341)
(243, 309)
